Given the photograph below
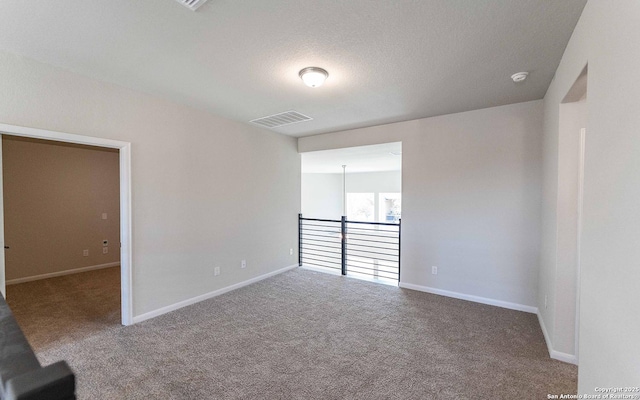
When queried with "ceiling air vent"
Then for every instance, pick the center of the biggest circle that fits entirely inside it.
(282, 119)
(192, 4)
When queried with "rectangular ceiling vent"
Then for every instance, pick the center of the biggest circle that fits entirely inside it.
(282, 119)
(192, 4)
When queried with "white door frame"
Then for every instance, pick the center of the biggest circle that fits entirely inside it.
(581, 155)
(125, 204)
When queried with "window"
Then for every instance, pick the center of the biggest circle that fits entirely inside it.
(389, 207)
(360, 207)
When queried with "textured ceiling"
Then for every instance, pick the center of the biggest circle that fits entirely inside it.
(388, 61)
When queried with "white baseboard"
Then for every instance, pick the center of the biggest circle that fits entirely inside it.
(556, 355)
(202, 297)
(61, 273)
(476, 299)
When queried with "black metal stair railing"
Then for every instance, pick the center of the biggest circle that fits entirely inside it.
(369, 249)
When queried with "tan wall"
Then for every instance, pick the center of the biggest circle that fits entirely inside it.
(54, 197)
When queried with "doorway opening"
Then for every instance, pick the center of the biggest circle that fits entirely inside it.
(571, 156)
(351, 211)
(123, 247)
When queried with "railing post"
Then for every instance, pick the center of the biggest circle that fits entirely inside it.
(399, 246)
(343, 229)
(300, 239)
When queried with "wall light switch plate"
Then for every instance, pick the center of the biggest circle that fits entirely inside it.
(434, 270)
(85, 253)
(243, 264)
(105, 250)
(104, 215)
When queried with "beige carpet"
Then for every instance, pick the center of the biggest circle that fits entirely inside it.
(309, 335)
(66, 309)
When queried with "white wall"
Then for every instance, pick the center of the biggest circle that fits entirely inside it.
(322, 193)
(206, 191)
(375, 182)
(471, 186)
(322, 196)
(606, 38)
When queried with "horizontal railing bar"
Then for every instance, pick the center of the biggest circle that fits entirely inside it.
(367, 260)
(313, 234)
(394, 230)
(322, 245)
(379, 274)
(336, 229)
(330, 250)
(363, 236)
(338, 252)
(390, 269)
(323, 241)
(350, 233)
(372, 250)
(371, 223)
(372, 262)
(321, 255)
(321, 220)
(367, 251)
(321, 261)
(393, 242)
(320, 225)
(357, 257)
(318, 265)
(371, 241)
(350, 222)
(395, 248)
(373, 257)
(375, 270)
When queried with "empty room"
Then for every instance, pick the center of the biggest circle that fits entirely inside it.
(505, 224)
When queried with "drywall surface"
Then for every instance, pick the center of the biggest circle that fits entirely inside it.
(375, 182)
(206, 191)
(322, 193)
(572, 120)
(606, 38)
(54, 198)
(322, 196)
(471, 187)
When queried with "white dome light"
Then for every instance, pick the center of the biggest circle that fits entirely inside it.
(519, 76)
(313, 76)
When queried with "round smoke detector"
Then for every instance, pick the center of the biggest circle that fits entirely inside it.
(519, 76)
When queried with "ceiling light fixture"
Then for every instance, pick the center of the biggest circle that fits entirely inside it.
(313, 76)
(519, 76)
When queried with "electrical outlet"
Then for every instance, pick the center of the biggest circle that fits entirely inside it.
(243, 264)
(290, 252)
(105, 250)
(434, 270)
(85, 253)
(216, 271)
(104, 215)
